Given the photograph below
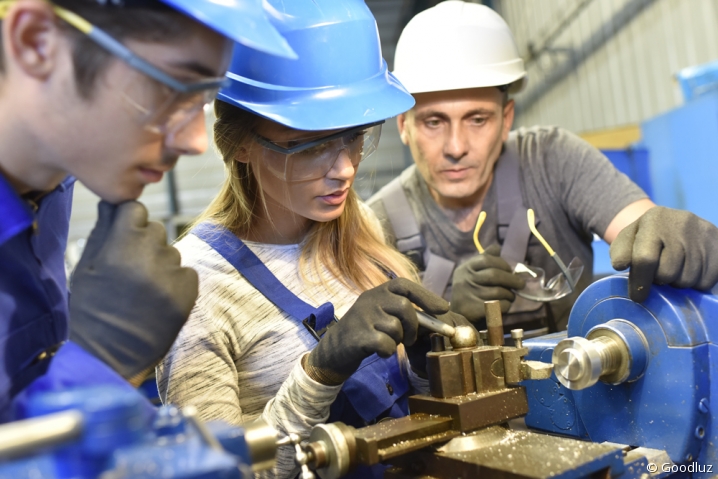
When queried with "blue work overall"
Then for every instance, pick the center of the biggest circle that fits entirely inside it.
(377, 390)
(35, 355)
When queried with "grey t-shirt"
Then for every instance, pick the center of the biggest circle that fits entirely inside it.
(574, 190)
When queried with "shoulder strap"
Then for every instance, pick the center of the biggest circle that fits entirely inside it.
(400, 215)
(246, 262)
(513, 229)
(437, 269)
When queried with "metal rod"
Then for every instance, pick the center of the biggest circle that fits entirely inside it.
(24, 437)
(190, 413)
(494, 323)
(434, 325)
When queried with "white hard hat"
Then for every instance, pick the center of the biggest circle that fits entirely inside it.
(457, 45)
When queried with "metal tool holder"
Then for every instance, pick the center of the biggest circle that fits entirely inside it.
(474, 389)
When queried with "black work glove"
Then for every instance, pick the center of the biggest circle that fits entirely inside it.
(484, 277)
(417, 351)
(666, 246)
(130, 296)
(380, 319)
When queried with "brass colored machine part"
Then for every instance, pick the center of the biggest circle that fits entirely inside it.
(261, 440)
(473, 385)
(332, 449)
(469, 413)
(389, 439)
(494, 323)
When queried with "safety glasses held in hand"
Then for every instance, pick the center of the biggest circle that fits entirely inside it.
(309, 159)
(165, 107)
(537, 287)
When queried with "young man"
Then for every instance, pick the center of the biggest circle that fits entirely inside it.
(460, 61)
(110, 93)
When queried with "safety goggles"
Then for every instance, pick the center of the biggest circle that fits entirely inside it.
(303, 159)
(165, 107)
(537, 287)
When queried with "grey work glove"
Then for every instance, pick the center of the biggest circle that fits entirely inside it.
(666, 246)
(484, 277)
(380, 319)
(417, 351)
(130, 296)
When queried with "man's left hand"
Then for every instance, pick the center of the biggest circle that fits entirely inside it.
(666, 246)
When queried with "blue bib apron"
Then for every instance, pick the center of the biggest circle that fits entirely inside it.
(377, 390)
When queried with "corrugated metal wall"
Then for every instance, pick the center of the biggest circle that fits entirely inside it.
(596, 64)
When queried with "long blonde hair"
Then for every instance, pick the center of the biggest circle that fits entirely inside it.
(349, 247)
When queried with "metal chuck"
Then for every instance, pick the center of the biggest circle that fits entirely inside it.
(614, 352)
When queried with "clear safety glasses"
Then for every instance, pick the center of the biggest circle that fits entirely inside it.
(303, 159)
(163, 108)
(537, 287)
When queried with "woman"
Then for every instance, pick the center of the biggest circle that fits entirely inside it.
(287, 245)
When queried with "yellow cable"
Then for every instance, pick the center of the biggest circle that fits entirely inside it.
(532, 226)
(479, 223)
(5, 6)
(73, 19)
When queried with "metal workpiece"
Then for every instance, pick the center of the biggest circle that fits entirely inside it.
(494, 323)
(518, 336)
(516, 369)
(577, 363)
(535, 370)
(614, 352)
(501, 452)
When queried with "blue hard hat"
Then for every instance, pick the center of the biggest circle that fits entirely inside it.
(243, 21)
(339, 80)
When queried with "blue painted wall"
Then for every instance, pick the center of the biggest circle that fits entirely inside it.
(683, 146)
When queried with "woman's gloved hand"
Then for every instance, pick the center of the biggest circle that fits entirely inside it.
(129, 295)
(380, 319)
(667, 246)
(484, 277)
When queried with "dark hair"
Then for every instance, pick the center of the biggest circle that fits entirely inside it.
(151, 22)
(504, 89)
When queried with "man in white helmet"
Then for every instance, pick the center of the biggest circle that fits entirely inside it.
(460, 62)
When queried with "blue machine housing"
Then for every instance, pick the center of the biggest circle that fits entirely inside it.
(668, 406)
(119, 441)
